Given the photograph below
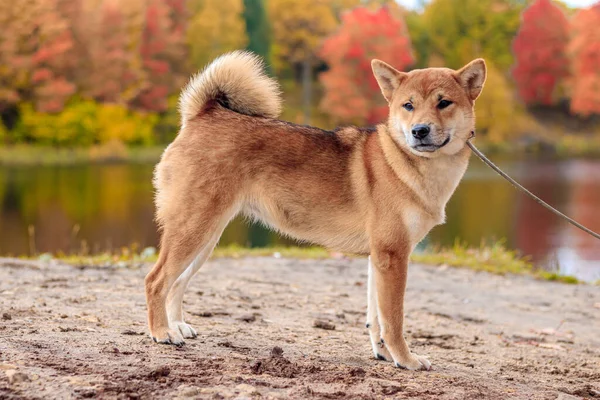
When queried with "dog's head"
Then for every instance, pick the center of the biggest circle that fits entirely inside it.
(431, 110)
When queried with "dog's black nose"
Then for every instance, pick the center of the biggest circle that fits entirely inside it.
(419, 131)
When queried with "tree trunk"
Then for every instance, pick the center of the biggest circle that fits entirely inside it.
(307, 89)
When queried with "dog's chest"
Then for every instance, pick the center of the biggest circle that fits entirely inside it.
(418, 223)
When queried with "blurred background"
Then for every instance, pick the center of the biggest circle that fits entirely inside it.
(88, 94)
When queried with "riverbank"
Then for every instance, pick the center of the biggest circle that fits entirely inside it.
(81, 332)
(568, 146)
(494, 258)
(111, 153)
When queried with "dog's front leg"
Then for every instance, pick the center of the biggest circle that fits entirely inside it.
(390, 270)
(379, 350)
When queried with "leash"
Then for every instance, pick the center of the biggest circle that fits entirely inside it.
(527, 192)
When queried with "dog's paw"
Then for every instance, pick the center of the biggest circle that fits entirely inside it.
(168, 336)
(414, 362)
(185, 329)
(380, 351)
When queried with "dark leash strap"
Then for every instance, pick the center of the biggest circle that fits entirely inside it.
(527, 192)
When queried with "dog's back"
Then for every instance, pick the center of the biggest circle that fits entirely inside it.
(296, 179)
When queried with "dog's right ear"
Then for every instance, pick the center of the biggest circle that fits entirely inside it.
(388, 78)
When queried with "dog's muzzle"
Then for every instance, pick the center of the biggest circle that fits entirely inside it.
(428, 147)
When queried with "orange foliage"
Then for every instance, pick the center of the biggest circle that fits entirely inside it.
(585, 50)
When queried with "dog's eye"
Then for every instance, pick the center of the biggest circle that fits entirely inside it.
(443, 104)
(408, 107)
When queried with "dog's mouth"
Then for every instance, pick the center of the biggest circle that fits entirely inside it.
(430, 147)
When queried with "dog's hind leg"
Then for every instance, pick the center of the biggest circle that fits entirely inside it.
(185, 243)
(379, 350)
(175, 297)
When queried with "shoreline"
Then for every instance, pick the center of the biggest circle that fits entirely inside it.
(23, 155)
(494, 258)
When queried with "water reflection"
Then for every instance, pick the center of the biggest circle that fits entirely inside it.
(103, 207)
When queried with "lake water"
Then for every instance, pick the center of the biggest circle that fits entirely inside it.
(104, 207)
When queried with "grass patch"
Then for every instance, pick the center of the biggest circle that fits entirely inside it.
(494, 258)
(235, 251)
(132, 256)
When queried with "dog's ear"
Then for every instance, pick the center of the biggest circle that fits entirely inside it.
(388, 78)
(472, 77)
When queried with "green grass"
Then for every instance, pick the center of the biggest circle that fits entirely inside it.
(494, 258)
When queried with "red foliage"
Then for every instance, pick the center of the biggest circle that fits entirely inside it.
(110, 59)
(161, 47)
(351, 91)
(540, 51)
(49, 63)
(585, 50)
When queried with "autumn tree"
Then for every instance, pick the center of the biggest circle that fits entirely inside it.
(585, 51)
(36, 47)
(540, 52)
(161, 37)
(299, 27)
(459, 30)
(351, 91)
(177, 52)
(107, 81)
(216, 27)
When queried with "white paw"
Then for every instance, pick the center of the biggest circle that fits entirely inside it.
(185, 329)
(167, 336)
(414, 362)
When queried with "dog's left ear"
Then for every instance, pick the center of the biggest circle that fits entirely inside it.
(472, 77)
(388, 78)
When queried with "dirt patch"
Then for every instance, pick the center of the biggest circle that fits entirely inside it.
(275, 365)
(80, 333)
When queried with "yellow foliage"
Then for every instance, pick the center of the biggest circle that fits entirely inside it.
(117, 123)
(216, 27)
(298, 28)
(460, 30)
(3, 132)
(85, 123)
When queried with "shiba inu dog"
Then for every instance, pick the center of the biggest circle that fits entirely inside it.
(371, 191)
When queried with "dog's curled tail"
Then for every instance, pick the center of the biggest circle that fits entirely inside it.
(236, 81)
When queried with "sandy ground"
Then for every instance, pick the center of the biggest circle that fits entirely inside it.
(77, 332)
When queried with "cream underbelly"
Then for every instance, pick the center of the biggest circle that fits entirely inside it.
(335, 230)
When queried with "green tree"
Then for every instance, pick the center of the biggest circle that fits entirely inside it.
(417, 30)
(258, 29)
